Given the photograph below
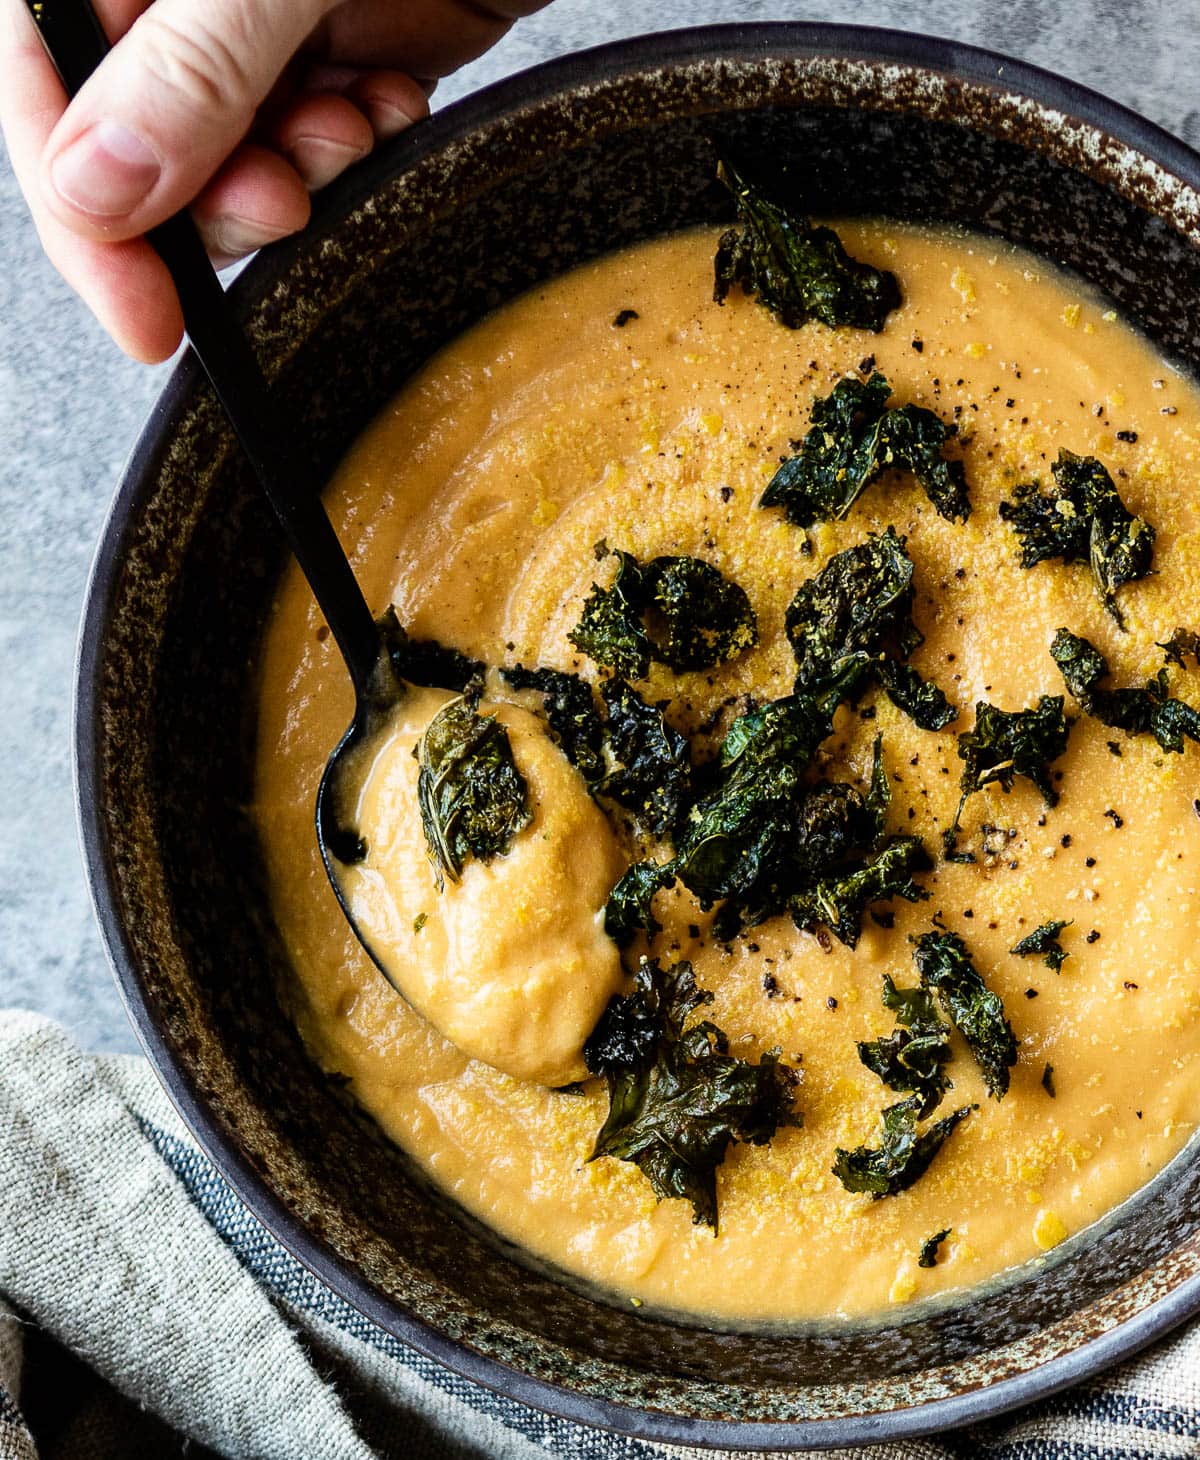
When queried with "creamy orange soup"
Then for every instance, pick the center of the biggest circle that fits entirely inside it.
(473, 504)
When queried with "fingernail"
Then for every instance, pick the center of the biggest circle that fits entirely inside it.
(386, 120)
(232, 237)
(319, 160)
(107, 171)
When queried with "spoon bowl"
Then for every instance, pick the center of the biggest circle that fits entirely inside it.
(341, 845)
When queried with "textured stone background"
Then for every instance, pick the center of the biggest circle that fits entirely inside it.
(70, 407)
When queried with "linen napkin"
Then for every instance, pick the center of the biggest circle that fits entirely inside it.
(144, 1311)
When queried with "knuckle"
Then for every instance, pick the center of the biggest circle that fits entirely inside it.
(204, 66)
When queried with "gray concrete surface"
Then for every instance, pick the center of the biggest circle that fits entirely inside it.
(70, 407)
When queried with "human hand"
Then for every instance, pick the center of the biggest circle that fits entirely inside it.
(239, 108)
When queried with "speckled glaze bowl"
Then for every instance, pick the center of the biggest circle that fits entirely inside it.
(492, 195)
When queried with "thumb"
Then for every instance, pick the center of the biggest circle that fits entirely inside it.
(166, 107)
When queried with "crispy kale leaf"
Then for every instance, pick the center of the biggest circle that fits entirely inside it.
(1005, 744)
(928, 1256)
(632, 756)
(1045, 940)
(855, 617)
(677, 1098)
(912, 1057)
(903, 1155)
(737, 826)
(1146, 711)
(840, 902)
(427, 663)
(630, 903)
(706, 619)
(680, 611)
(571, 714)
(1082, 520)
(1008, 743)
(798, 271)
(648, 765)
(852, 440)
(472, 796)
(1182, 643)
(610, 628)
(762, 839)
(971, 1007)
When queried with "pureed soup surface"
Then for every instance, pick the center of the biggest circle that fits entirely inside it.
(473, 504)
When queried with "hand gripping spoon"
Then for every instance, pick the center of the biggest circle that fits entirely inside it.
(76, 45)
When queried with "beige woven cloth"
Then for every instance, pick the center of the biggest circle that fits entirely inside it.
(144, 1312)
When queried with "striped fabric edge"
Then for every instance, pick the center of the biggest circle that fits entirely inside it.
(16, 1443)
(1036, 1448)
(291, 1283)
(1130, 1410)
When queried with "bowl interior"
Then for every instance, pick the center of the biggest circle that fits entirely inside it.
(463, 214)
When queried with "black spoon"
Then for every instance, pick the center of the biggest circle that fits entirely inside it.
(76, 44)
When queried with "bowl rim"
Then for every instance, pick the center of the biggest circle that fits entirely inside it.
(744, 42)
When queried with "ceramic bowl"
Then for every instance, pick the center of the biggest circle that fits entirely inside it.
(502, 190)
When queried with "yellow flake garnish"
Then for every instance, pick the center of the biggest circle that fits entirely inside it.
(711, 421)
(1070, 315)
(976, 349)
(963, 285)
(903, 1286)
(1048, 1230)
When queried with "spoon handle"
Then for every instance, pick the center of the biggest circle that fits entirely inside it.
(76, 44)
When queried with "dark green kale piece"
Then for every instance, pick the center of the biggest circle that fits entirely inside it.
(813, 864)
(1149, 710)
(852, 621)
(1045, 940)
(745, 812)
(840, 902)
(924, 702)
(679, 610)
(854, 437)
(913, 1056)
(472, 797)
(930, 1248)
(427, 663)
(971, 1007)
(571, 714)
(797, 270)
(629, 907)
(677, 1098)
(1182, 643)
(1082, 520)
(761, 839)
(902, 1157)
(632, 756)
(705, 617)
(610, 627)
(649, 766)
(1004, 744)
